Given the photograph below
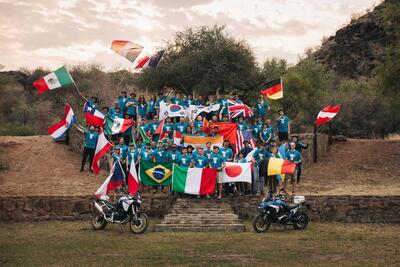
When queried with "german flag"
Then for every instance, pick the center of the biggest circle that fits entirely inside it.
(280, 166)
(273, 89)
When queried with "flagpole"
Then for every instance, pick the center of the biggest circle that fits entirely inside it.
(79, 92)
(315, 150)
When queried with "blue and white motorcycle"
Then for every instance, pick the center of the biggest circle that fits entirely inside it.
(275, 209)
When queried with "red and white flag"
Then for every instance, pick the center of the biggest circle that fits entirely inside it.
(57, 130)
(241, 137)
(178, 138)
(102, 147)
(236, 172)
(133, 179)
(160, 127)
(93, 115)
(326, 114)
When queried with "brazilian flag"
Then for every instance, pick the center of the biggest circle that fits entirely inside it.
(152, 173)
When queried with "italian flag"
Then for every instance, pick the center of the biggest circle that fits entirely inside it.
(273, 89)
(194, 181)
(116, 125)
(54, 80)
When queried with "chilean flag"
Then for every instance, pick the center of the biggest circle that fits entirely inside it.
(57, 130)
(93, 115)
(115, 179)
(326, 114)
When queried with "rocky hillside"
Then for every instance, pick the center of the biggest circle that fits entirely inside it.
(355, 50)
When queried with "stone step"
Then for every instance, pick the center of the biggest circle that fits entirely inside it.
(197, 228)
(200, 216)
(206, 206)
(201, 222)
(208, 211)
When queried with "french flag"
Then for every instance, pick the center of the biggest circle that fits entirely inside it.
(115, 179)
(57, 130)
(93, 115)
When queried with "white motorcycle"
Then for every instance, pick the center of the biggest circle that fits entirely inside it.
(126, 210)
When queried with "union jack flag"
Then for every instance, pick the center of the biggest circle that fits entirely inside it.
(237, 109)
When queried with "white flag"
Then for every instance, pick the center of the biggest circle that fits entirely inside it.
(172, 110)
(236, 172)
(194, 111)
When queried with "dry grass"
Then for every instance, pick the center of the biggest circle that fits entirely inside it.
(75, 244)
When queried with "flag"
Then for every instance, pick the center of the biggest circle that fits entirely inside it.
(172, 110)
(237, 109)
(249, 156)
(146, 136)
(116, 125)
(133, 179)
(163, 137)
(202, 140)
(326, 114)
(239, 140)
(282, 151)
(273, 89)
(241, 136)
(54, 80)
(150, 60)
(115, 179)
(126, 49)
(195, 111)
(177, 138)
(57, 130)
(194, 181)
(93, 115)
(160, 127)
(102, 147)
(152, 173)
(227, 130)
(236, 172)
(280, 166)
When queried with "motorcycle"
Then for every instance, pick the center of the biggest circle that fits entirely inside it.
(275, 209)
(125, 210)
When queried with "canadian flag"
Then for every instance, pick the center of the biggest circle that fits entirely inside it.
(326, 114)
(236, 172)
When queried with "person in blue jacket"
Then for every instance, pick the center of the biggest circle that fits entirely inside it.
(91, 137)
(294, 156)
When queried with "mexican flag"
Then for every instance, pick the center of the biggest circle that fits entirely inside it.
(194, 181)
(54, 80)
(116, 125)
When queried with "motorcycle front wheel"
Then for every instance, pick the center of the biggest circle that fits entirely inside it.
(98, 222)
(300, 221)
(261, 225)
(140, 225)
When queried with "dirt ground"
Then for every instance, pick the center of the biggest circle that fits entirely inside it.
(39, 166)
(356, 167)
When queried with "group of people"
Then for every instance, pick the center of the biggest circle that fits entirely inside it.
(129, 146)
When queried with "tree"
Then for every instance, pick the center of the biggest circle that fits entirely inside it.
(203, 59)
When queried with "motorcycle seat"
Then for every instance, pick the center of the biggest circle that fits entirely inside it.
(293, 206)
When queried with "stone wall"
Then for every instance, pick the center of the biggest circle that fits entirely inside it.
(348, 209)
(355, 209)
(37, 208)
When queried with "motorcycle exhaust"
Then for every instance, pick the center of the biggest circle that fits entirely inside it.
(98, 207)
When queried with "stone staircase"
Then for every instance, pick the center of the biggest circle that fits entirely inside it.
(200, 215)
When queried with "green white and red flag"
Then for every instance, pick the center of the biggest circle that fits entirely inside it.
(194, 181)
(54, 80)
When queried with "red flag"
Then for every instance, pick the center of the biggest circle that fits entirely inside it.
(160, 127)
(133, 180)
(326, 114)
(102, 147)
(227, 130)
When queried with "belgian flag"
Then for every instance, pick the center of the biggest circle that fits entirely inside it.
(273, 89)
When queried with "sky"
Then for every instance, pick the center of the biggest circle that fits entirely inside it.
(54, 33)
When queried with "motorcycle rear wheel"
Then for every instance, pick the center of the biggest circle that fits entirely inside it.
(300, 221)
(260, 225)
(141, 226)
(98, 222)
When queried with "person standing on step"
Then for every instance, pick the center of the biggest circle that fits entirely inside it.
(294, 156)
(259, 179)
(89, 148)
(299, 147)
(283, 125)
(217, 161)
